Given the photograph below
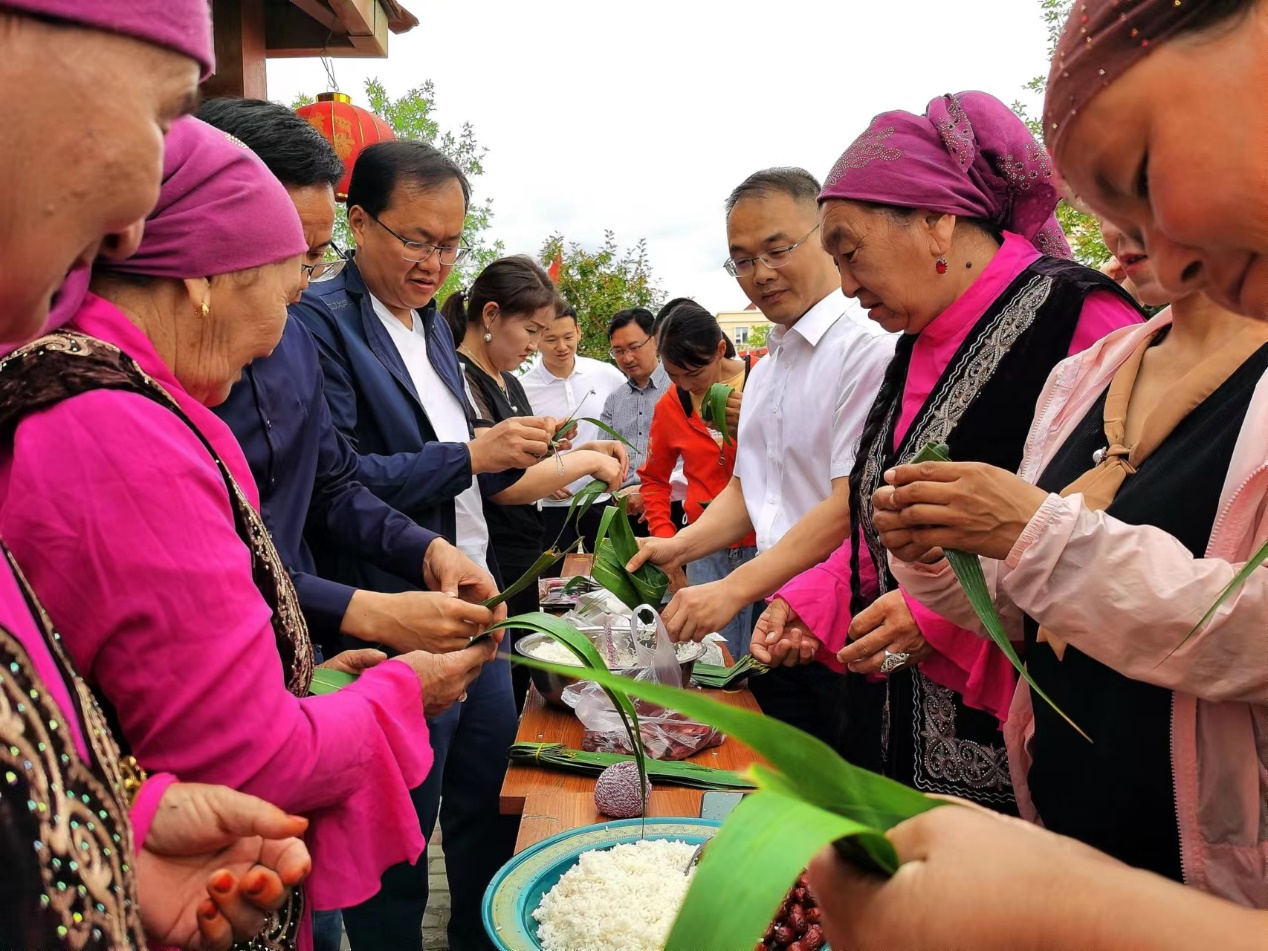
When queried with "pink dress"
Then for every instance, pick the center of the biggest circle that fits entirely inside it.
(962, 661)
(124, 526)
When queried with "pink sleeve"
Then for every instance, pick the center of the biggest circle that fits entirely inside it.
(146, 804)
(126, 526)
(1103, 313)
(821, 598)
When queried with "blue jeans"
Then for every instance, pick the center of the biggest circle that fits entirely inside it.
(715, 567)
(469, 744)
(327, 930)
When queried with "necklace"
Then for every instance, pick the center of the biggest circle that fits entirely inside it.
(496, 377)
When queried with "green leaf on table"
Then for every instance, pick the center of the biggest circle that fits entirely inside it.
(713, 409)
(584, 650)
(1239, 579)
(327, 680)
(718, 677)
(676, 772)
(968, 571)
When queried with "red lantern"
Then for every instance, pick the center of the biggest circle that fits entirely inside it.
(347, 127)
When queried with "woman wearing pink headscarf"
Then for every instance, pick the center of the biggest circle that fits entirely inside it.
(83, 832)
(1131, 78)
(134, 508)
(942, 226)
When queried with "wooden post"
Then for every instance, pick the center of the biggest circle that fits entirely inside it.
(238, 27)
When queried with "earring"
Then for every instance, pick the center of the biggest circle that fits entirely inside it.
(204, 309)
(941, 265)
(487, 336)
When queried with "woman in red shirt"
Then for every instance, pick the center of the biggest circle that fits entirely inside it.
(696, 354)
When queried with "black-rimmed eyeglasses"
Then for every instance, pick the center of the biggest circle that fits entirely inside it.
(416, 252)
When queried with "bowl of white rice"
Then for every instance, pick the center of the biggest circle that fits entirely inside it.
(598, 888)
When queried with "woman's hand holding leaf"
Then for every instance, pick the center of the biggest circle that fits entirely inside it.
(781, 638)
(884, 625)
(701, 609)
(968, 506)
(969, 879)
(354, 662)
(664, 553)
(733, 412)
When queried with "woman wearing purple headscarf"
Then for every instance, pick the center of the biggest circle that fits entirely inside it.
(83, 832)
(942, 226)
(134, 509)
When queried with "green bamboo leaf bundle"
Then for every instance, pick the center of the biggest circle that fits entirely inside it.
(968, 571)
(810, 798)
(1239, 579)
(718, 677)
(713, 409)
(582, 648)
(615, 546)
(678, 773)
(326, 680)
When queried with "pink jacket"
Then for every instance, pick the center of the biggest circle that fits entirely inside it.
(123, 525)
(1127, 596)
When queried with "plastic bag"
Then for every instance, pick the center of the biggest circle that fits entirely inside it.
(666, 735)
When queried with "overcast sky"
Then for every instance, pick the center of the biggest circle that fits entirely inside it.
(641, 116)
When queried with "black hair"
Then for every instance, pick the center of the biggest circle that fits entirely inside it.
(632, 315)
(296, 153)
(564, 309)
(517, 284)
(796, 183)
(382, 166)
(689, 336)
(664, 312)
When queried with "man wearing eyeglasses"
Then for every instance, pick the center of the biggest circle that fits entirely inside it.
(394, 389)
(803, 411)
(628, 409)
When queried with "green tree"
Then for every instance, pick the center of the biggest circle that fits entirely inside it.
(411, 117)
(1082, 230)
(599, 283)
(757, 337)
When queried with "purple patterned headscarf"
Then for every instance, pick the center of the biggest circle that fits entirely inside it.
(969, 155)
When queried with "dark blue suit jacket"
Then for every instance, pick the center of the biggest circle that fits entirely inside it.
(374, 404)
(306, 474)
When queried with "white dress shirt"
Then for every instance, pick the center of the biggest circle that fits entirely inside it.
(582, 393)
(448, 417)
(804, 408)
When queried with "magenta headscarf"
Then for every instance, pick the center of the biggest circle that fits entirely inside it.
(219, 210)
(968, 155)
(1101, 41)
(180, 25)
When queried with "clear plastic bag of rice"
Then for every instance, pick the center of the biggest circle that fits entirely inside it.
(620, 899)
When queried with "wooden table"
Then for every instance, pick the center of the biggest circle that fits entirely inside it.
(550, 801)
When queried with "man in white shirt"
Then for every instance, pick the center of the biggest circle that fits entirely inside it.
(802, 412)
(561, 384)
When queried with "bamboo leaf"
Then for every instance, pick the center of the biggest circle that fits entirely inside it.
(713, 409)
(1239, 579)
(598, 423)
(968, 571)
(585, 652)
(544, 561)
(809, 765)
(717, 677)
(679, 773)
(327, 680)
(615, 545)
(753, 860)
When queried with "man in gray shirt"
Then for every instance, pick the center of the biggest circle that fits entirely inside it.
(628, 409)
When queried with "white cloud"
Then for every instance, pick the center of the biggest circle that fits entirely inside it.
(641, 117)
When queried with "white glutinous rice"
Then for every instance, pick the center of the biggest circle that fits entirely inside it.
(553, 652)
(620, 899)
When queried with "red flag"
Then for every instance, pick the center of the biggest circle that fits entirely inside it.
(555, 267)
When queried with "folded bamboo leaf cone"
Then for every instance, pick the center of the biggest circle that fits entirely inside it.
(616, 791)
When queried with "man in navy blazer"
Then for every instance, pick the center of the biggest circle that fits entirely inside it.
(395, 392)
